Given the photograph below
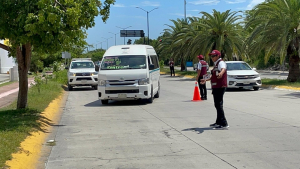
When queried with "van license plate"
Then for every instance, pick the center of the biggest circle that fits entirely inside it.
(83, 81)
(122, 96)
(246, 82)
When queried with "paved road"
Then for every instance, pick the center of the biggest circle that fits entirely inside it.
(173, 132)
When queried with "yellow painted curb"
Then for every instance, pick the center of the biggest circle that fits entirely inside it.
(281, 87)
(30, 149)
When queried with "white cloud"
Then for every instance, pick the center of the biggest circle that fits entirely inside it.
(149, 3)
(253, 3)
(194, 10)
(118, 5)
(205, 2)
(235, 1)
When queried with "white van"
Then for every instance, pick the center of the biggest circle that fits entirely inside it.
(129, 72)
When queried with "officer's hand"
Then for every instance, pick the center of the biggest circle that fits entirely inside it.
(202, 81)
(220, 76)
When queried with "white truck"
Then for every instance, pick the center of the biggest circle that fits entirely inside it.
(82, 72)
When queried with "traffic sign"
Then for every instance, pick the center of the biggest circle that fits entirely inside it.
(132, 33)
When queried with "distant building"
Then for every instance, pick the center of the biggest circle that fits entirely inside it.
(6, 62)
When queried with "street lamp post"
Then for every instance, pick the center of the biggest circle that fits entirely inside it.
(106, 42)
(147, 20)
(184, 9)
(115, 37)
(123, 29)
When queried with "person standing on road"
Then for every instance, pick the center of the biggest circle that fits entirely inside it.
(171, 64)
(218, 84)
(202, 70)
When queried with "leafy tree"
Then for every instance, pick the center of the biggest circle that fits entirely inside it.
(45, 26)
(95, 55)
(276, 30)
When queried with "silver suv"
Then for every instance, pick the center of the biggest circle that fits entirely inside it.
(82, 72)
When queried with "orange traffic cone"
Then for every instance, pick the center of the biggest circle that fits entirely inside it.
(196, 93)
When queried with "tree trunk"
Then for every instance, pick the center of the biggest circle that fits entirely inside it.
(23, 58)
(294, 70)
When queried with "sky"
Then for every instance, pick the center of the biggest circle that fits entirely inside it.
(124, 14)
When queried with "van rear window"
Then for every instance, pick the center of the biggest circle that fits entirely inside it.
(123, 62)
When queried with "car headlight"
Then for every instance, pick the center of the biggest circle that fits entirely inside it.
(256, 75)
(144, 81)
(94, 73)
(72, 74)
(102, 82)
(232, 76)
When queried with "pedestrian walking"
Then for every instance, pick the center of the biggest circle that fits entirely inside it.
(218, 84)
(201, 71)
(171, 64)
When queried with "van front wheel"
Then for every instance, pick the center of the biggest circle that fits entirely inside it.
(158, 91)
(150, 100)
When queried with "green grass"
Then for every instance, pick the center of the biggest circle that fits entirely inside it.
(17, 124)
(178, 72)
(6, 83)
(277, 82)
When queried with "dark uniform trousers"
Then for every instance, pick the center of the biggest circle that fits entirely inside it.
(218, 94)
(172, 70)
(202, 88)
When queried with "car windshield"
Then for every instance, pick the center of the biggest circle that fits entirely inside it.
(80, 65)
(123, 62)
(238, 66)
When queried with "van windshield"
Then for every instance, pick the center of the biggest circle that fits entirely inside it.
(123, 62)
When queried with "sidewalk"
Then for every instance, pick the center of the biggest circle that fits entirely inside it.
(9, 93)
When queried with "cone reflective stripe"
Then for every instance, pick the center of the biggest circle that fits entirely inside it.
(196, 93)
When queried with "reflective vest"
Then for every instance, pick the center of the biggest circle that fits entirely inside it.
(215, 82)
(203, 68)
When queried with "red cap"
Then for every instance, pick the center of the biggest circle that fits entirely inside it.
(215, 52)
(201, 57)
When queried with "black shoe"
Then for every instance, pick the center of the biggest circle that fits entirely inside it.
(204, 98)
(221, 127)
(214, 125)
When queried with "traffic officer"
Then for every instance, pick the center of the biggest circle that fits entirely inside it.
(218, 83)
(202, 70)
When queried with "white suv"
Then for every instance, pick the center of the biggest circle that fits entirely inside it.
(82, 72)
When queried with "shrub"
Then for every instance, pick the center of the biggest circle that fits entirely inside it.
(61, 77)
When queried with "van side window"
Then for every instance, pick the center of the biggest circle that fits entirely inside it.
(149, 62)
(154, 61)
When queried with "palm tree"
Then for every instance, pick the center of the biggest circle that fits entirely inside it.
(172, 43)
(221, 31)
(276, 25)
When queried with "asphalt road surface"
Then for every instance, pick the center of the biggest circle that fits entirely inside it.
(173, 132)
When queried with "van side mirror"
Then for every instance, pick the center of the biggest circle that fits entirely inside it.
(151, 67)
(254, 69)
(67, 67)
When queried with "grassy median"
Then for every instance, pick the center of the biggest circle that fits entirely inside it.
(15, 125)
(272, 82)
(277, 82)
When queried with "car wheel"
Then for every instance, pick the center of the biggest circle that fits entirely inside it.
(150, 100)
(104, 101)
(70, 88)
(158, 91)
(255, 88)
